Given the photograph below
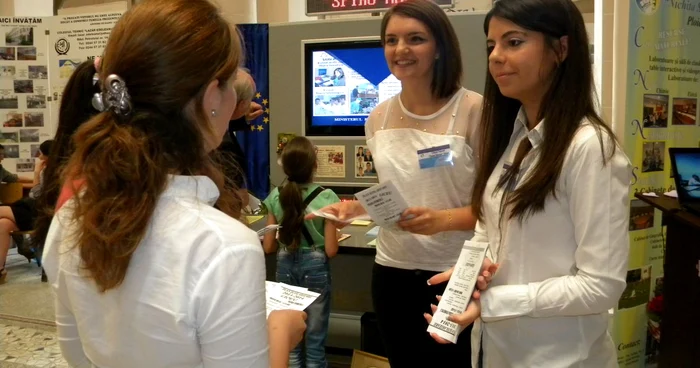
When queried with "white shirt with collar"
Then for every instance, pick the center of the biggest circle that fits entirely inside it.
(562, 268)
(193, 295)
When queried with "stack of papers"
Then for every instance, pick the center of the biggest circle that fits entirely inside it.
(281, 296)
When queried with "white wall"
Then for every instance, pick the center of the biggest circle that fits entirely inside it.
(34, 8)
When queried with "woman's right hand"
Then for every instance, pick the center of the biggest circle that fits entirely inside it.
(286, 327)
(343, 213)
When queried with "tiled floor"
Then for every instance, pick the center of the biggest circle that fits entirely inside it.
(29, 347)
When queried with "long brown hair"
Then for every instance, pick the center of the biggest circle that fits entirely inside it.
(447, 69)
(567, 102)
(75, 109)
(167, 52)
(299, 164)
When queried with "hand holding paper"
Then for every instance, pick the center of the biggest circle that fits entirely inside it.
(340, 214)
(457, 309)
(421, 220)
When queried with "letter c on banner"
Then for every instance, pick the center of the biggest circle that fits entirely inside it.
(636, 36)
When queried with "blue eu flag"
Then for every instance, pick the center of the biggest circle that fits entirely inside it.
(256, 141)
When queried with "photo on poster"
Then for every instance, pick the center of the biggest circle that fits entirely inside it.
(24, 86)
(13, 120)
(331, 161)
(9, 137)
(685, 111)
(330, 104)
(20, 36)
(653, 156)
(7, 53)
(655, 112)
(9, 102)
(34, 149)
(26, 53)
(25, 165)
(67, 66)
(638, 288)
(36, 102)
(363, 99)
(7, 71)
(323, 78)
(11, 151)
(34, 119)
(38, 72)
(29, 135)
(641, 215)
(364, 163)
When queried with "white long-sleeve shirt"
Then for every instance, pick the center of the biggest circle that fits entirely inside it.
(563, 268)
(193, 296)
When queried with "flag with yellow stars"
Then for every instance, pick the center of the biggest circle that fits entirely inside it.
(256, 141)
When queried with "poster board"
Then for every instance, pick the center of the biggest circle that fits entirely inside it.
(74, 39)
(660, 80)
(331, 161)
(24, 87)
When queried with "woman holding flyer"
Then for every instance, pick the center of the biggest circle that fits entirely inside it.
(423, 142)
(551, 193)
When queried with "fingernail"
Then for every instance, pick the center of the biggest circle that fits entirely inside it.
(429, 282)
(433, 305)
(437, 296)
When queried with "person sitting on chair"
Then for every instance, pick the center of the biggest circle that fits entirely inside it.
(20, 215)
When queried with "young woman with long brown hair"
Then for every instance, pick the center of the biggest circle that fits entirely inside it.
(551, 194)
(147, 273)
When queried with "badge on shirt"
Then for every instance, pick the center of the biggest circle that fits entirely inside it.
(429, 158)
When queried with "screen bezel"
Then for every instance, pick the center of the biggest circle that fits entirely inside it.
(328, 131)
(683, 196)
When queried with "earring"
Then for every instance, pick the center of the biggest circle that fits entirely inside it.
(213, 112)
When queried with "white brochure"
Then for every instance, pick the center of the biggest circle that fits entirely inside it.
(281, 296)
(267, 229)
(459, 290)
(383, 203)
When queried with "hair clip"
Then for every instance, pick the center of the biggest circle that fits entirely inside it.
(114, 96)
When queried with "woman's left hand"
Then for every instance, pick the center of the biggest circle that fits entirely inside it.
(463, 319)
(422, 220)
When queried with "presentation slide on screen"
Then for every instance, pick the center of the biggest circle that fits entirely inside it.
(348, 84)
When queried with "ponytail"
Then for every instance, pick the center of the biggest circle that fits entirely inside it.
(125, 169)
(292, 215)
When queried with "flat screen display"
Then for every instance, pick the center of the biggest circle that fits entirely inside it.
(344, 82)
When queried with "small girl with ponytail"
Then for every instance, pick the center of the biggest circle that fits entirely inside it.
(304, 246)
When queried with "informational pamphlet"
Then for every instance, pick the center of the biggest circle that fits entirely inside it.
(459, 290)
(383, 203)
(281, 296)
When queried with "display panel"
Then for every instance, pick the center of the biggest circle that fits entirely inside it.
(344, 81)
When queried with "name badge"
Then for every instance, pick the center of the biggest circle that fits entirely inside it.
(429, 158)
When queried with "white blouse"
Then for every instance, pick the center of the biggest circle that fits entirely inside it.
(563, 268)
(193, 296)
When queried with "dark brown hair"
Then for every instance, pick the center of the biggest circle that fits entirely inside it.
(167, 52)
(566, 103)
(447, 69)
(75, 109)
(299, 164)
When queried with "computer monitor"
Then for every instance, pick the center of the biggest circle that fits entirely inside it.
(343, 81)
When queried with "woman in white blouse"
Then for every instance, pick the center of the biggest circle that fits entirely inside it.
(147, 273)
(551, 195)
